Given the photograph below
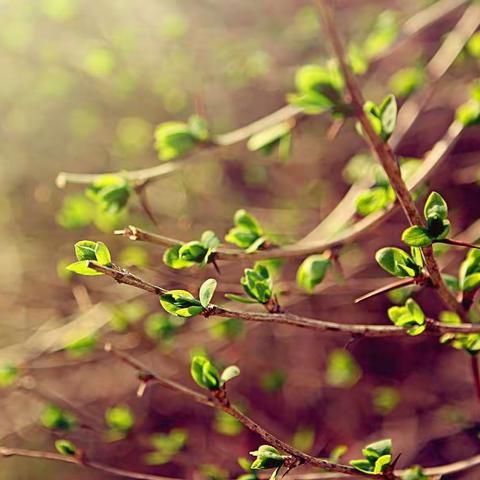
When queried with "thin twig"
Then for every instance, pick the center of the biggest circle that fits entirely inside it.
(433, 328)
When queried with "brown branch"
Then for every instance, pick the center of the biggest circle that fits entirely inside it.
(384, 154)
(433, 328)
(19, 452)
(219, 400)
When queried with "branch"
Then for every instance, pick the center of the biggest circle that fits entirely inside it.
(433, 328)
(220, 401)
(384, 154)
(412, 27)
(19, 452)
(351, 234)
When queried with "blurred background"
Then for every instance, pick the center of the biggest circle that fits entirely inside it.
(83, 85)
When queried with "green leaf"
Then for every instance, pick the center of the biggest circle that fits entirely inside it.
(388, 116)
(180, 303)
(312, 271)
(406, 80)
(239, 298)
(85, 250)
(230, 372)
(342, 369)
(8, 375)
(204, 373)
(377, 457)
(206, 291)
(110, 192)
(362, 465)
(76, 212)
(267, 457)
(372, 200)
(414, 473)
(198, 127)
(103, 254)
(397, 262)
(435, 206)
(416, 237)
(410, 316)
(65, 447)
(468, 274)
(120, 418)
(173, 139)
(172, 259)
(55, 418)
(468, 114)
(82, 268)
(257, 283)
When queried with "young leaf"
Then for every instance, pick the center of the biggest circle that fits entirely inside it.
(180, 303)
(267, 457)
(206, 291)
(388, 116)
(435, 206)
(410, 316)
(416, 236)
(120, 418)
(173, 139)
(397, 262)
(230, 372)
(204, 373)
(312, 271)
(65, 447)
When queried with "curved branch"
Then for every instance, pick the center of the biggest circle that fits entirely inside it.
(303, 247)
(412, 27)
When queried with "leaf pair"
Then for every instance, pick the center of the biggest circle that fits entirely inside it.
(410, 316)
(247, 233)
(166, 445)
(55, 418)
(318, 89)
(206, 375)
(183, 304)
(377, 455)
(383, 117)
(258, 285)
(197, 252)
(277, 137)
(399, 263)
(110, 192)
(312, 271)
(173, 139)
(87, 251)
(438, 225)
(268, 457)
(470, 342)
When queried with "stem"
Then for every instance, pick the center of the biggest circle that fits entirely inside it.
(386, 288)
(458, 243)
